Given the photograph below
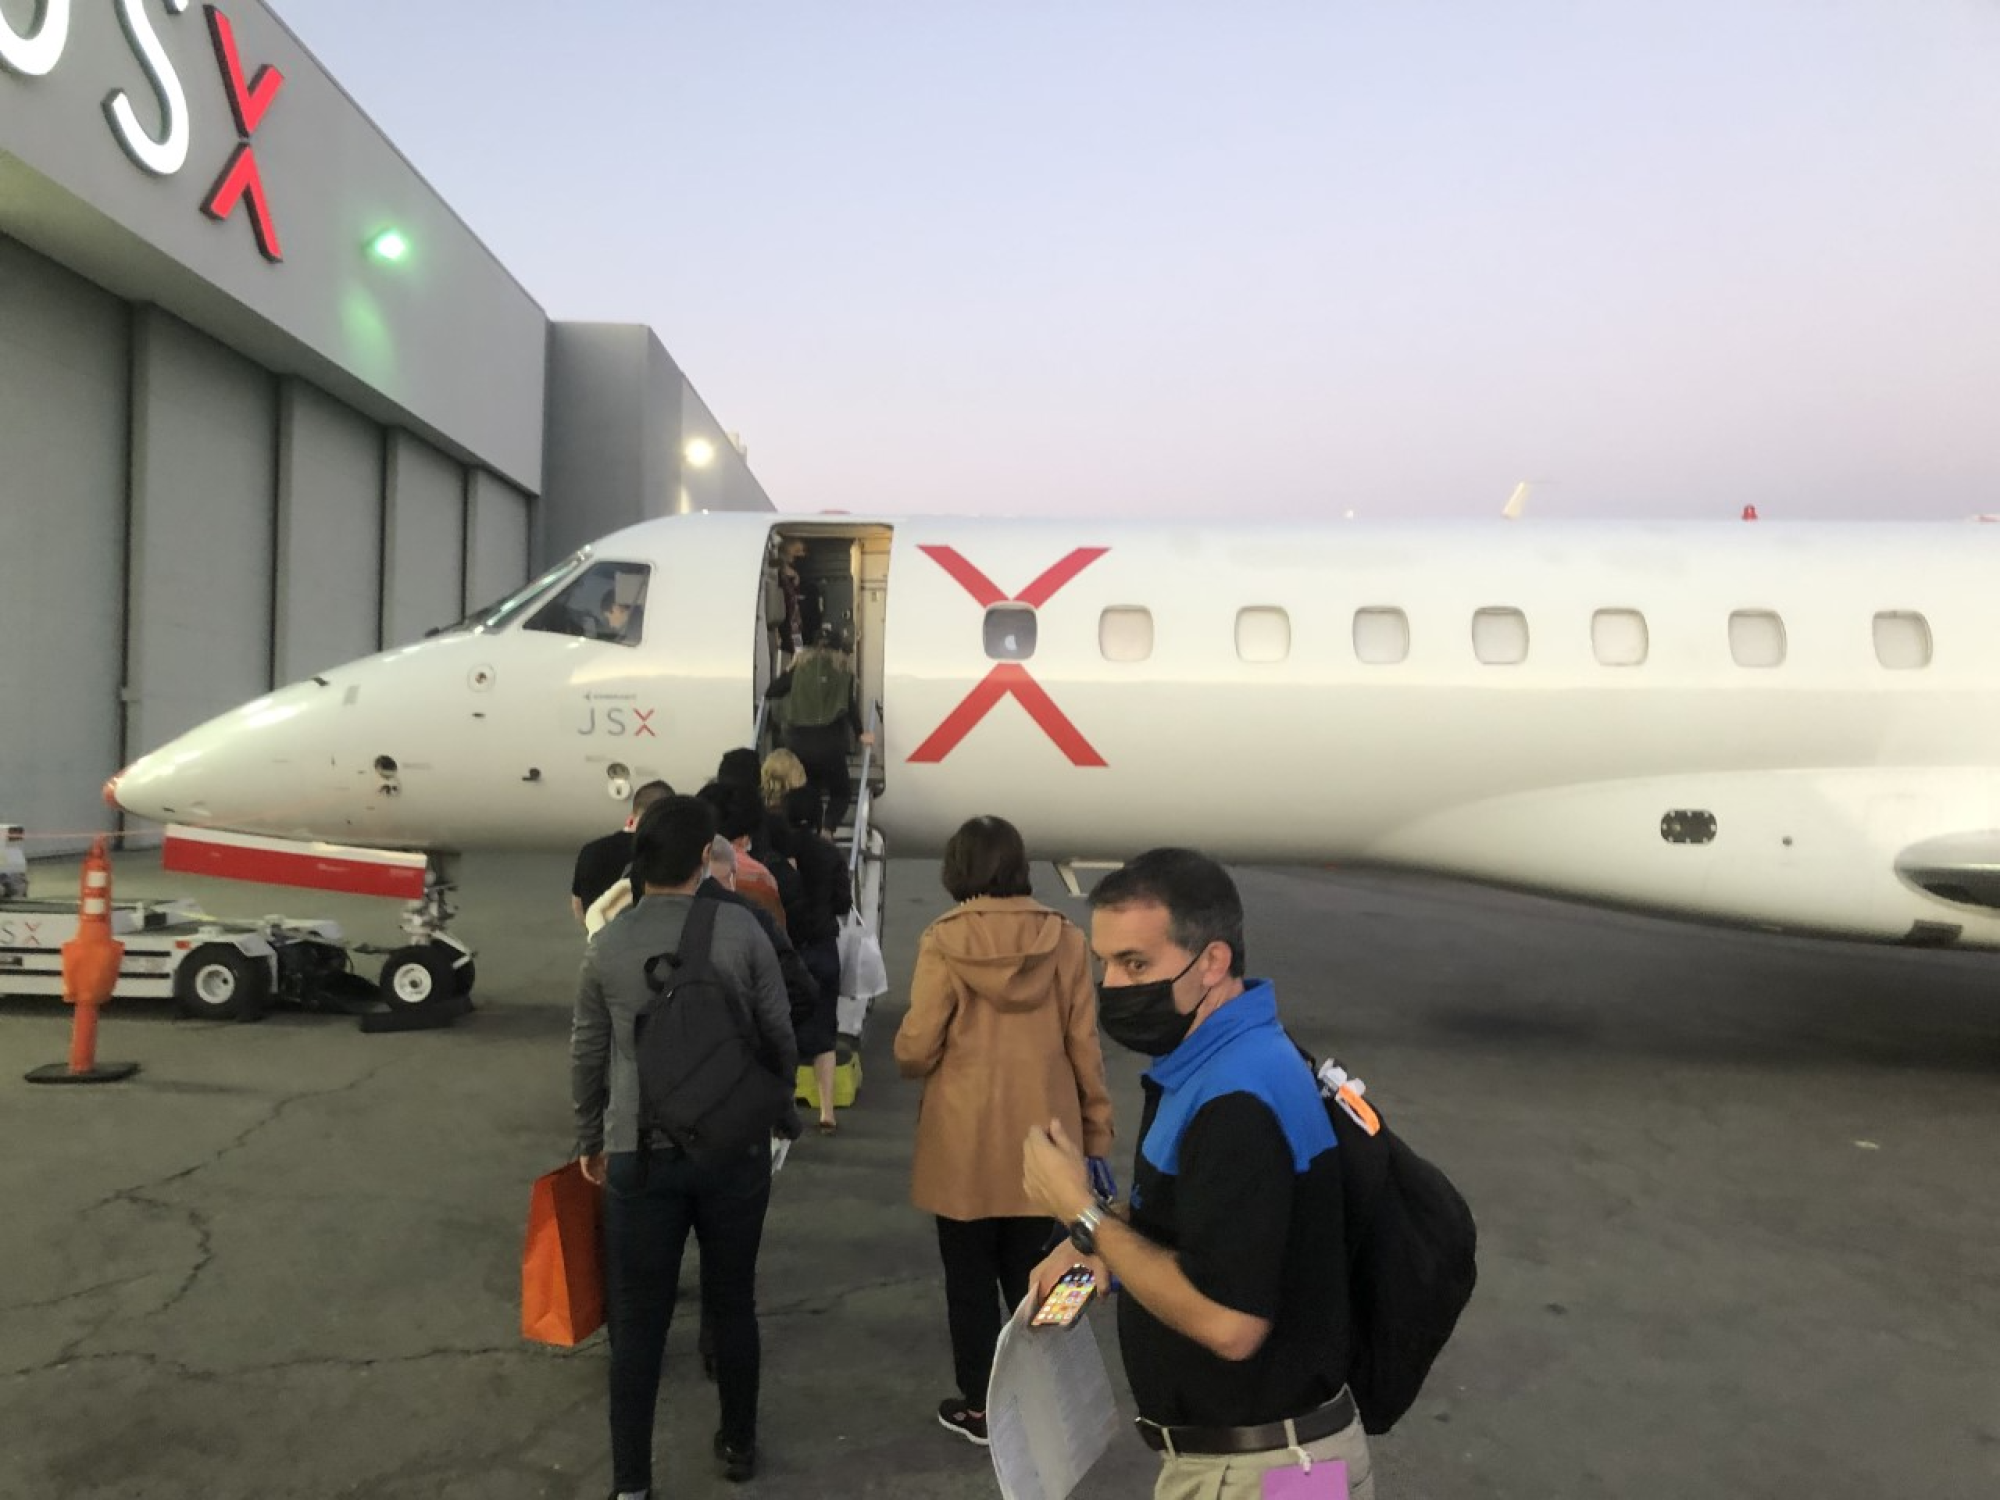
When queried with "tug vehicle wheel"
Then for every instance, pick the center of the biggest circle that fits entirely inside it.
(218, 983)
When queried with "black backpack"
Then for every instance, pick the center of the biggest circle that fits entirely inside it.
(701, 1081)
(1411, 1244)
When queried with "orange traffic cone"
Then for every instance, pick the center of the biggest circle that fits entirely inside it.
(90, 973)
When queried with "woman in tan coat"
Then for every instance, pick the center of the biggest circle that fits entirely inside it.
(1002, 1028)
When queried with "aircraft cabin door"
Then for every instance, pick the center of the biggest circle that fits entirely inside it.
(842, 578)
(872, 608)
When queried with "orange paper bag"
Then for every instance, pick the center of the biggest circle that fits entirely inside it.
(562, 1264)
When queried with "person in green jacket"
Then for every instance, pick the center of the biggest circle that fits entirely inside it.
(817, 705)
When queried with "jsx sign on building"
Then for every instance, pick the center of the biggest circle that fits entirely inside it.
(157, 132)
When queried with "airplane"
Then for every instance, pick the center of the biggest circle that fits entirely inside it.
(1795, 727)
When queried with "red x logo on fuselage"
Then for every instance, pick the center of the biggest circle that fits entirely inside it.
(1009, 676)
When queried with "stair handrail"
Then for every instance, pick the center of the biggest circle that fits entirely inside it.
(865, 802)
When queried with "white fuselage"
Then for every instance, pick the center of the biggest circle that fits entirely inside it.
(1266, 692)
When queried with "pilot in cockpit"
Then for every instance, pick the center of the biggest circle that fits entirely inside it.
(615, 617)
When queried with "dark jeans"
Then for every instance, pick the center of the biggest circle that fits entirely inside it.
(987, 1263)
(647, 1216)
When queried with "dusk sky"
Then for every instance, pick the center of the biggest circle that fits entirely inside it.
(1264, 259)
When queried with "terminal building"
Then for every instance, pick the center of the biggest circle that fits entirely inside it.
(266, 403)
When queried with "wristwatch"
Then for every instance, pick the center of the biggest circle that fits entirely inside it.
(1083, 1230)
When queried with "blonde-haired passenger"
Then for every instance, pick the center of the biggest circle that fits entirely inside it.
(783, 772)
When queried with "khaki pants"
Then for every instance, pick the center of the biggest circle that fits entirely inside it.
(1240, 1476)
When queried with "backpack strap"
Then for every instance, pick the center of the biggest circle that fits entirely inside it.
(698, 934)
(697, 942)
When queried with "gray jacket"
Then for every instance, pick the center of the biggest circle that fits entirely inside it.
(612, 990)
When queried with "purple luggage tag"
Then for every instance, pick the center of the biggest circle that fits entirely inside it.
(1325, 1480)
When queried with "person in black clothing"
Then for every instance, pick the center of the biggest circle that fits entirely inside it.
(1233, 1320)
(822, 720)
(739, 767)
(813, 920)
(801, 983)
(602, 863)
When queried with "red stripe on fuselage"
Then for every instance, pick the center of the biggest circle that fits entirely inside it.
(304, 868)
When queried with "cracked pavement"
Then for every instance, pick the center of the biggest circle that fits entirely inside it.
(284, 1259)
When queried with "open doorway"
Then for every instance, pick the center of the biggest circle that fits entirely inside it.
(825, 589)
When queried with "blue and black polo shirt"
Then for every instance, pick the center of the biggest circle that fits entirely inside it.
(1238, 1175)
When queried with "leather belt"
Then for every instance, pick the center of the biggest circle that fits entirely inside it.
(1321, 1421)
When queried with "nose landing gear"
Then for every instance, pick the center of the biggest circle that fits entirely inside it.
(431, 975)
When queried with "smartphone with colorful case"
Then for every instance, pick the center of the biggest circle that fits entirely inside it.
(1066, 1300)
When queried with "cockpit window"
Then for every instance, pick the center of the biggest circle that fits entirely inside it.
(606, 602)
(494, 615)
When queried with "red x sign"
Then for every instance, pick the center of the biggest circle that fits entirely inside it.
(1009, 676)
(249, 102)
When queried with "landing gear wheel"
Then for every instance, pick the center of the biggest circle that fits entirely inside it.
(464, 974)
(218, 983)
(417, 977)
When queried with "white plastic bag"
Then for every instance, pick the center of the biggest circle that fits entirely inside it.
(863, 975)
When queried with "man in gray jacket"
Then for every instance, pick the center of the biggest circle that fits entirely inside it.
(655, 1195)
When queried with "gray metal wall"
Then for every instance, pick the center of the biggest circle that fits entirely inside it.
(444, 342)
(181, 529)
(222, 468)
(423, 541)
(496, 539)
(620, 414)
(329, 593)
(204, 477)
(63, 419)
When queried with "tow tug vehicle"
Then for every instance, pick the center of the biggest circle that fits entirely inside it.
(221, 969)
(212, 969)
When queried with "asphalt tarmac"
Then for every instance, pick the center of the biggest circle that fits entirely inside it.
(1739, 1200)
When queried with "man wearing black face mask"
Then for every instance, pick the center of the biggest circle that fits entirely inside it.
(1233, 1320)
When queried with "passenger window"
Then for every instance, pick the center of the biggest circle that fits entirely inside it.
(1902, 640)
(1381, 636)
(1125, 633)
(1500, 637)
(1263, 634)
(607, 602)
(1010, 632)
(1756, 638)
(1618, 637)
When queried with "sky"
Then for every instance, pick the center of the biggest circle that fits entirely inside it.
(1276, 258)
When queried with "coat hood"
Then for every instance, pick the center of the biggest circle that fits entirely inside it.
(1002, 948)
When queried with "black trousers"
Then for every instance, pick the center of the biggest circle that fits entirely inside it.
(822, 750)
(987, 1263)
(647, 1215)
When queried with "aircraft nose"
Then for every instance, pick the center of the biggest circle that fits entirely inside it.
(239, 770)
